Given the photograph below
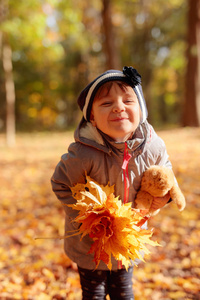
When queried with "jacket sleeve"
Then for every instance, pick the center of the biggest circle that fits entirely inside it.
(162, 157)
(157, 151)
(69, 171)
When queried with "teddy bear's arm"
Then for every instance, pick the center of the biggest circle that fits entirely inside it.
(143, 200)
(178, 197)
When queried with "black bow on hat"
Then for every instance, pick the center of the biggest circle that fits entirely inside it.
(132, 75)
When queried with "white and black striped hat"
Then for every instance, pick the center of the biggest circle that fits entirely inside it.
(129, 75)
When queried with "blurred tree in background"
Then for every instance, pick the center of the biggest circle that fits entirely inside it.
(191, 115)
(58, 46)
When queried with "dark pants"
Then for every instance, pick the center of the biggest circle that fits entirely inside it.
(97, 284)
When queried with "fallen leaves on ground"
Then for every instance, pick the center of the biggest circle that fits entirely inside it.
(39, 270)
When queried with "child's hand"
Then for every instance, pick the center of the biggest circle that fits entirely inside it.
(159, 202)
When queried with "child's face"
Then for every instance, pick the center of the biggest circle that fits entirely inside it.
(116, 112)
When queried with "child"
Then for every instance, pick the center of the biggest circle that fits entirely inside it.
(113, 143)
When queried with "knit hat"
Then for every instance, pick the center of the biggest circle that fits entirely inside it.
(129, 75)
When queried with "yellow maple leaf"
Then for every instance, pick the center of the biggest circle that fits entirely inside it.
(89, 194)
(114, 227)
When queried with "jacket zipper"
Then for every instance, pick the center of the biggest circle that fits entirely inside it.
(127, 157)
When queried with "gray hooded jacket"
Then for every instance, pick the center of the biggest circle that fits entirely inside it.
(104, 160)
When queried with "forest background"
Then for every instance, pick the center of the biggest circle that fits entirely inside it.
(49, 50)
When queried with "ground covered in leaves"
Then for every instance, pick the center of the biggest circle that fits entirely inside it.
(38, 269)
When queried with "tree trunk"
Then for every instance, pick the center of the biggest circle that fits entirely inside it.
(10, 95)
(111, 49)
(191, 111)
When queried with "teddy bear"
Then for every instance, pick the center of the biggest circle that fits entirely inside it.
(157, 181)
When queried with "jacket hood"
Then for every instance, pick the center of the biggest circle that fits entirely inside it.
(89, 135)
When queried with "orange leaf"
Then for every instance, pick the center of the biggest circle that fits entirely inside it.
(113, 226)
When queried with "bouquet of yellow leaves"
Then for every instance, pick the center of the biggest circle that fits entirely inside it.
(114, 227)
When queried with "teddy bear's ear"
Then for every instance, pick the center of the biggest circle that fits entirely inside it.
(157, 180)
(178, 197)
